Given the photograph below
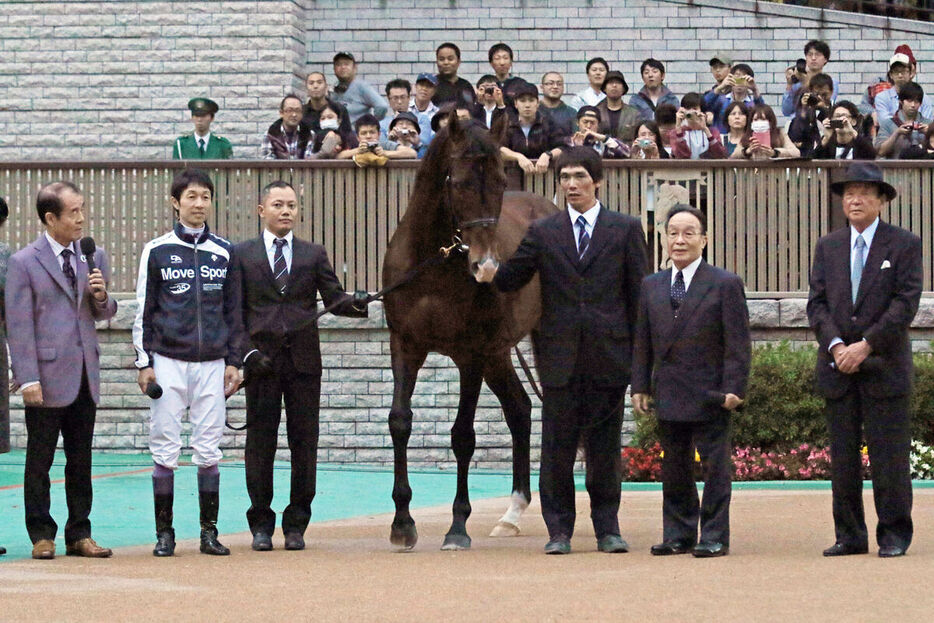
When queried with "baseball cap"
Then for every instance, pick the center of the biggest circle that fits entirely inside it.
(342, 55)
(427, 77)
(722, 56)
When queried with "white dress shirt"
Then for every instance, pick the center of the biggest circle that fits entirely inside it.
(687, 273)
(590, 216)
(206, 138)
(269, 239)
(57, 250)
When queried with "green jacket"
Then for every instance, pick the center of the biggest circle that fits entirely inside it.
(186, 148)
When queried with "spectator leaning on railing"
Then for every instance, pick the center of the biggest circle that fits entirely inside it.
(588, 135)
(398, 92)
(924, 151)
(738, 86)
(287, 138)
(737, 120)
(816, 56)
(355, 93)
(371, 151)
(648, 144)
(531, 140)
(764, 138)
(907, 127)
(692, 138)
(404, 131)
(333, 137)
(597, 69)
(842, 139)
(617, 118)
(813, 106)
(562, 115)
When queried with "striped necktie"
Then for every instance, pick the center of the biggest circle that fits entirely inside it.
(279, 267)
(583, 238)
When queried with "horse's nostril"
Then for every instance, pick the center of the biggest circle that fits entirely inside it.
(474, 267)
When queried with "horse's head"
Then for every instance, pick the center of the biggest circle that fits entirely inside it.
(473, 188)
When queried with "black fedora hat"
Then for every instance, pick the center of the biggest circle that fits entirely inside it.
(865, 173)
(614, 75)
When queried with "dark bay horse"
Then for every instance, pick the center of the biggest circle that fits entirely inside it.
(459, 197)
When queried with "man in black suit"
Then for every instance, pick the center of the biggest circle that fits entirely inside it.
(692, 354)
(590, 262)
(280, 277)
(865, 290)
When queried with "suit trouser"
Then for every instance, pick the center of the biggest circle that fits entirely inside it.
(76, 424)
(570, 413)
(263, 402)
(888, 436)
(680, 508)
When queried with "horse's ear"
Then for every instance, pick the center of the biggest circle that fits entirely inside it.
(455, 127)
(499, 125)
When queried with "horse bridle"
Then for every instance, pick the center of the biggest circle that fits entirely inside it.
(459, 226)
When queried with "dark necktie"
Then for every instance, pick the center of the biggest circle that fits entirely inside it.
(69, 270)
(201, 145)
(677, 291)
(279, 267)
(583, 239)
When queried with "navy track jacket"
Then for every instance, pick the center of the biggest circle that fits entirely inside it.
(187, 307)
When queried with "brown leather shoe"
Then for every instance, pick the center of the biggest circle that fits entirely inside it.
(43, 549)
(88, 548)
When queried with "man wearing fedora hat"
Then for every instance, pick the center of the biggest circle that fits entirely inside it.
(865, 290)
(617, 118)
(202, 144)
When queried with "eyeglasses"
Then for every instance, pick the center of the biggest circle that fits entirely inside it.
(292, 111)
(688, 235)
(553, 83)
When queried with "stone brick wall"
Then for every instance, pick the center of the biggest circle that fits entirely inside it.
(97, 80)
(356, 392)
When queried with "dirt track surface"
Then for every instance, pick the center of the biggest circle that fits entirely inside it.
(350, 572)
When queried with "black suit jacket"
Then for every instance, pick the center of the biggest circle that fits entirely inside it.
(588, 307)
(274, 321)
(690, 362)
(887, 301)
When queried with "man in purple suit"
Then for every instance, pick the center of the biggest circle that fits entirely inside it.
(52, 302)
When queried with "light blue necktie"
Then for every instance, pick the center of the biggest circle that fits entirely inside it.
(858, 263)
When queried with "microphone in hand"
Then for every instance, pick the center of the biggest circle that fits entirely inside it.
(87, 250)
(154, 390)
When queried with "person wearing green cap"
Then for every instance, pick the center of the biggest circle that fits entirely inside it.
(202, 144)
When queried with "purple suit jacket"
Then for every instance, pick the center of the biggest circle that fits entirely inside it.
(51, 332)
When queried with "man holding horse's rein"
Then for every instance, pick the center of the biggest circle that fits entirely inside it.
(590, 262)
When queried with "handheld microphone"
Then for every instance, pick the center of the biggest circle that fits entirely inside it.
(153, 389)
(87, 250)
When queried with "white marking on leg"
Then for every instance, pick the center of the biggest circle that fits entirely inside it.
(508, 524)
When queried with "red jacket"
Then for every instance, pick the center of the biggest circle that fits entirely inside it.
(681, 149)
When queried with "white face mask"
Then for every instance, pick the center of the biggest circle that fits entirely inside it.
(328, 124)
(760, 125)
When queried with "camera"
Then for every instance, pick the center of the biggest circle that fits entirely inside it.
(372, 146)
(813, 100)
(488, 90)
(739, 81)
(644, 142)
(837, 124)
(691, 115)
(403, 132)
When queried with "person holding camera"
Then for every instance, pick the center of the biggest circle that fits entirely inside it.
(405, 131)
(587, 135)
(907, 127)
(370, 150)
(648, 144)
(278, 277)
(187, 336)
(738, 86)
(489, 102)
(692, 138)
(798, 76)
(842, 140)
(807, 129)
(924, 151)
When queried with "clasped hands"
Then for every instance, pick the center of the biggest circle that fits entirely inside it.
(848, 359)
(642, 403)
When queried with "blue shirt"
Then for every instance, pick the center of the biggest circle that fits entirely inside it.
(886, 105)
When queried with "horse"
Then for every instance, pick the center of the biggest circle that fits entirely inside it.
(459, 205)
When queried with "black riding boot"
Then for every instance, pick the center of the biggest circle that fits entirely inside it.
(165, 534)
(210, 501)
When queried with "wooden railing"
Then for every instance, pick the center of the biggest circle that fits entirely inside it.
(764, 218)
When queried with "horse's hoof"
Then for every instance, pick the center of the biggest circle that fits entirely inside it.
(455, 542)
(403, 536)
(504, 528)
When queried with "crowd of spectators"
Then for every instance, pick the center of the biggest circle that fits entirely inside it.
(534, 120)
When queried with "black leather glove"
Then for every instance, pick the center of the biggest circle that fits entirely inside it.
(256, 366)
(361, 298)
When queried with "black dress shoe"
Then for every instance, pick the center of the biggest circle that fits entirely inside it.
(558, 545)
(671, 548)
(294, 541)
(891, 551)
(262, 542)
(843, 549)
(210, 545)
(707, 549)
